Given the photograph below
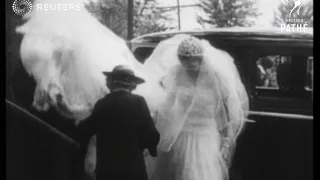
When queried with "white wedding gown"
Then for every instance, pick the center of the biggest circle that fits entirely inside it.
(194, 113)
(195, 155)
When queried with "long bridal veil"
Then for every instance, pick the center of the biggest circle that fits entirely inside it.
(66, 52)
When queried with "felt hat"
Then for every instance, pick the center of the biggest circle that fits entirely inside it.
(124, 75)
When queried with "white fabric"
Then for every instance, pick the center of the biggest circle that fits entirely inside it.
(195, 154)
(66, 53)
(193, 113)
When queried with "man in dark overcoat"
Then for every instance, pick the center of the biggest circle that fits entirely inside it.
(123, 127)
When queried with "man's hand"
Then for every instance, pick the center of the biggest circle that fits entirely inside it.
(146, 153)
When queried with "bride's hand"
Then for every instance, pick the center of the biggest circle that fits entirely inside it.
(225, 148)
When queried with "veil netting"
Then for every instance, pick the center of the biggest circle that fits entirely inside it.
(66, 53)
(218, 93)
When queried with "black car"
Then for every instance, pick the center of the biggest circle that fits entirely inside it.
(277, 69)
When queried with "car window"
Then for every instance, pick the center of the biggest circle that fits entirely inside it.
(273, 72)
(284, 75)
(309, 78)
(142, 53)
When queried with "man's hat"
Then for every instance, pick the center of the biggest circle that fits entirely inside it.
(124, 74)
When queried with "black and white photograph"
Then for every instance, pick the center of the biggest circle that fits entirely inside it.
(159, 89)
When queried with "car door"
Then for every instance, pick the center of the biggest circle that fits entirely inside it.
(279, 144)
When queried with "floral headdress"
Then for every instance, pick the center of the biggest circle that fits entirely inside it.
(190, 47)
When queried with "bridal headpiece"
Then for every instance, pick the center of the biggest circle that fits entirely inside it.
(190, 47)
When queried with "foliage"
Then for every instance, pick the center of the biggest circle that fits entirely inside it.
(113, 13)
(148, 18)
(227, 13)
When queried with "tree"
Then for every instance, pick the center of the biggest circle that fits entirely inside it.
(282, 14)
(113, 14)
(227, 13)
(148, 18)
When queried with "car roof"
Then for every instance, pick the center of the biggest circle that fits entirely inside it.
(270, 33)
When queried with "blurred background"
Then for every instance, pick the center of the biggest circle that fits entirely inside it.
(163, 15)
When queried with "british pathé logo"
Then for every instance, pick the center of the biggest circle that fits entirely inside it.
(297, 5)
(22, 7)
(294, 23)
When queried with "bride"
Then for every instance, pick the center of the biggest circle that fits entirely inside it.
(203, 113)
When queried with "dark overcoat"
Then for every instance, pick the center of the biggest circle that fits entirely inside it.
(124, 128)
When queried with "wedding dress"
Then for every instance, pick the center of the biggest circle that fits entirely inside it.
(195, 112)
